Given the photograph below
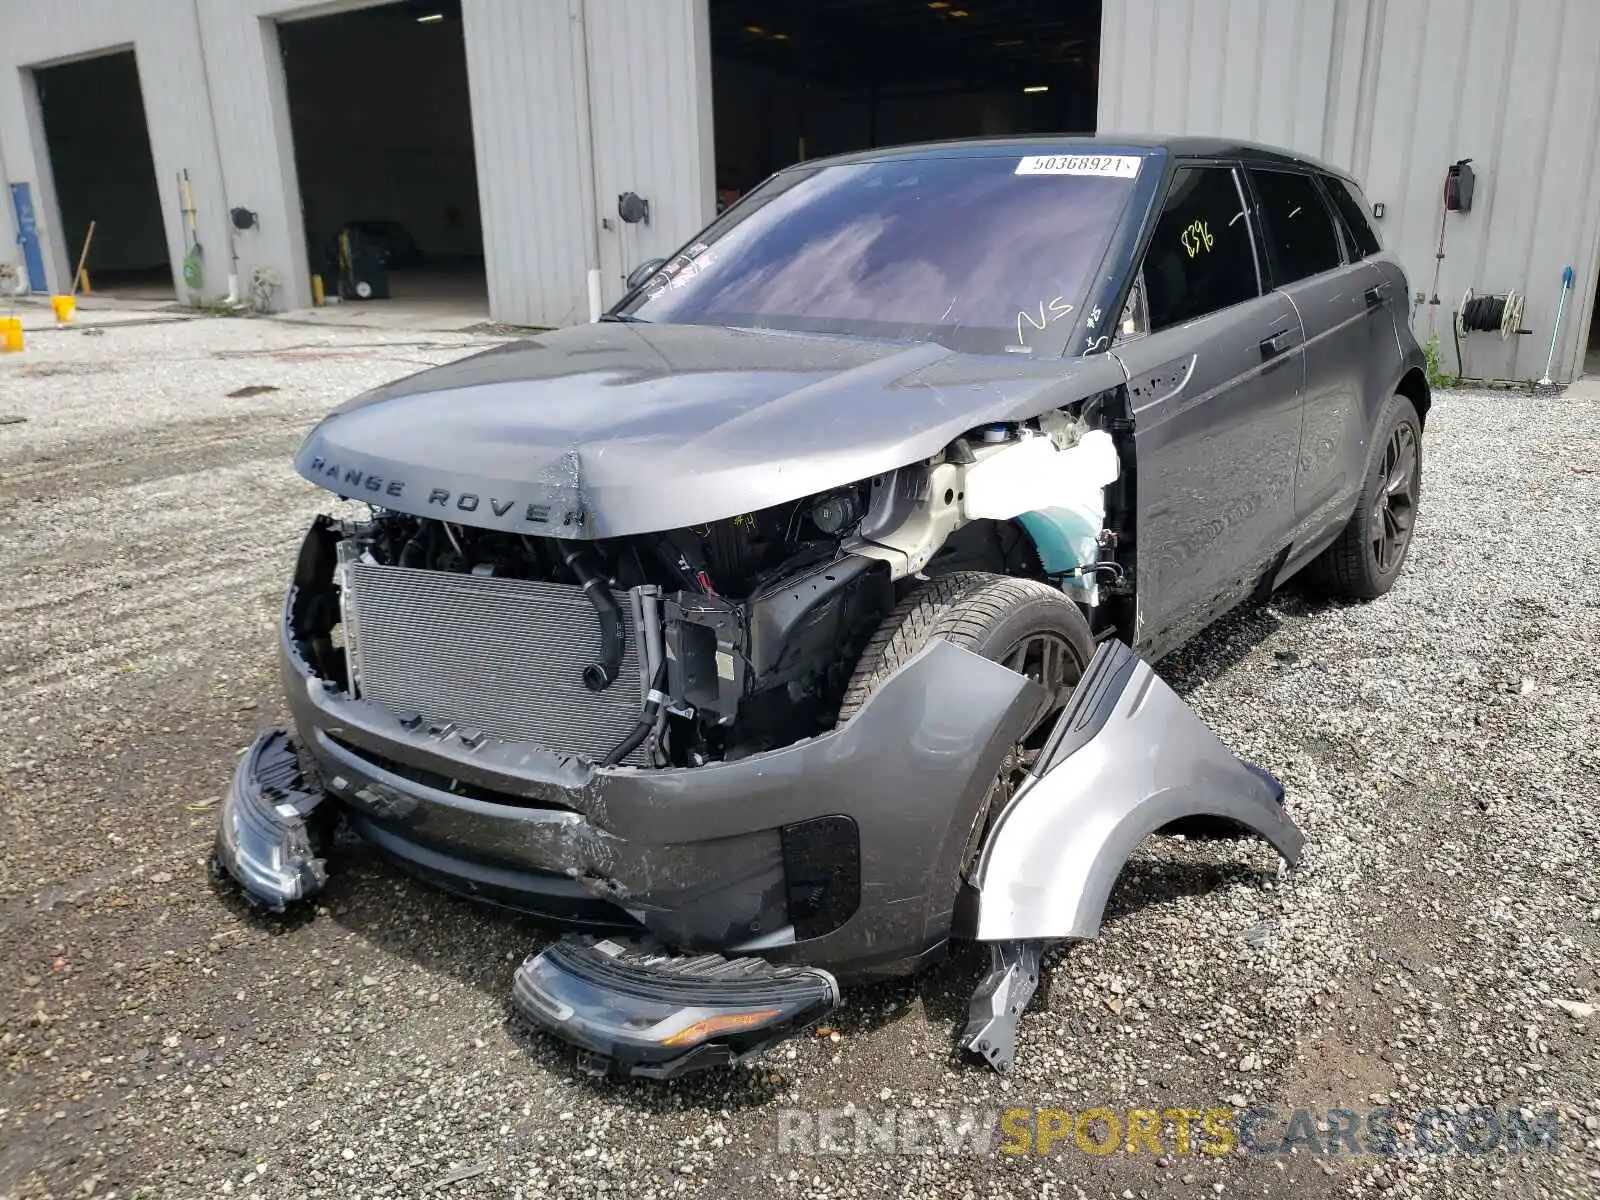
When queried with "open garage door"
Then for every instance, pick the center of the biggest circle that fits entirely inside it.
(382, 127)
(795, 81)
(99, 148)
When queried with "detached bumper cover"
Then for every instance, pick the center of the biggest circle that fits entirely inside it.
(265, 838)
(638, 1012)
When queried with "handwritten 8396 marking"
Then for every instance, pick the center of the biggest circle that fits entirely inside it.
(1196, 237)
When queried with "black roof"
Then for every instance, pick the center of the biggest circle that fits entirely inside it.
(1182, 147)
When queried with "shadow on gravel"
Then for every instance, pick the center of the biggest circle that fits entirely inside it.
(1223, 646)
(1160, 881)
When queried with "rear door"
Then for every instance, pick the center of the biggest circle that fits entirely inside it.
(1340, 300)
(1388, 302)
(1215, 391)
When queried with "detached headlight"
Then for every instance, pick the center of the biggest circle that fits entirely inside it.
(642, 1012)
(264, 839)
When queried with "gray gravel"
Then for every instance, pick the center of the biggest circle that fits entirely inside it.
(1438, 947)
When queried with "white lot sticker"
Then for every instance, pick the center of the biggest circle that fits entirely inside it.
(1116, 166)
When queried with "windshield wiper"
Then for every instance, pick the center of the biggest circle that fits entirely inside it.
(624, 319)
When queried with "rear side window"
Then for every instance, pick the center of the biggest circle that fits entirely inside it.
(1200, 259)
(1352, 206)
(1296, 223)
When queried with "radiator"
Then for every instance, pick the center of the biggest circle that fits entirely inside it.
(503, 657)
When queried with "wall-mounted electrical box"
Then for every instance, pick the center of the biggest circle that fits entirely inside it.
(1458, 183)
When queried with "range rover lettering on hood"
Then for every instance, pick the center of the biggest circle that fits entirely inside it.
(354, 482)
(610, 430)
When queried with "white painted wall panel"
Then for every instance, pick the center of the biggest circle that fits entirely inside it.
(573, 102)
(525, 66)
(10, 252)
(650, 86)
(165, 39)
(1394, 91)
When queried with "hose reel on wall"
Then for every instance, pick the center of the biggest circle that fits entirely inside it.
(1491, 313)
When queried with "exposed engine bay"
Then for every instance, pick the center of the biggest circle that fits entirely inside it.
(712, 642)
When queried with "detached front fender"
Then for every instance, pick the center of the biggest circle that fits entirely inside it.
(1126, 758)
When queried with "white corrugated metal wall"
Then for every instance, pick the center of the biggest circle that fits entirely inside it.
(650, 87)
(549, 79)
(525, 68)
(1394, 91)
(164, 37)
(574, 102)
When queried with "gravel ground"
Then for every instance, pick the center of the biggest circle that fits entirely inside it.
(1438, 947)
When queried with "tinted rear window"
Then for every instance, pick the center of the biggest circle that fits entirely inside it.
(1297, 225)
(968, 252)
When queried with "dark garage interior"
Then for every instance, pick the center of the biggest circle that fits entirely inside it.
(99, 147)
(382, 127)
(798, 81)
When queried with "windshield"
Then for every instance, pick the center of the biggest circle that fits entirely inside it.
(984, 255)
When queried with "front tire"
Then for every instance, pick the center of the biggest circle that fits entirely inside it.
(1366, 559)
(1027, 626)
(1023, 624)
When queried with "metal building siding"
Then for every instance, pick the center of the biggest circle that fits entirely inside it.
(650, 87)
(250, 106)
(525, 73)
(1255, 69)
(573, 102)
(164, 37)
(1394, 91)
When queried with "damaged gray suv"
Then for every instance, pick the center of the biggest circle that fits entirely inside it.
(792, 622)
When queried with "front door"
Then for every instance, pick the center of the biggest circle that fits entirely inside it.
(1215, 388)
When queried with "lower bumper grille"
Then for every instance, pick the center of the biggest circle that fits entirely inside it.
(498, 656)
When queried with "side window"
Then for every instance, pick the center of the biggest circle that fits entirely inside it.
(1200, 258)
(1296, 223)
(1352, 206)
(1135, 319)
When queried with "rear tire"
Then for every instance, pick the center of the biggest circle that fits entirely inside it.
(1365, 560)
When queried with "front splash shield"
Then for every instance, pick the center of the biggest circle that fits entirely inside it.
(1126, 758)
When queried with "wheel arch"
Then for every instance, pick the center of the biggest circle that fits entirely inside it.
(1128, 758)
(1414, 387)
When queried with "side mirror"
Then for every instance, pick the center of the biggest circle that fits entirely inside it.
(638, 276)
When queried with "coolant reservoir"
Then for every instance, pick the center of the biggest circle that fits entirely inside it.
(1058, 496)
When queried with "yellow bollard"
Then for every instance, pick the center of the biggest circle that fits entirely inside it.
(10, 335)
(316, 290)
(64, 307)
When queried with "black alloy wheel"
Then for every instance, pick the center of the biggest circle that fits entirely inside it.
(1395, 510)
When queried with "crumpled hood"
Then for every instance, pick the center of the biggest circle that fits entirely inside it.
(613, 429)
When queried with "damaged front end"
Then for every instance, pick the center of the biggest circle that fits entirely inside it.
(639, 737)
